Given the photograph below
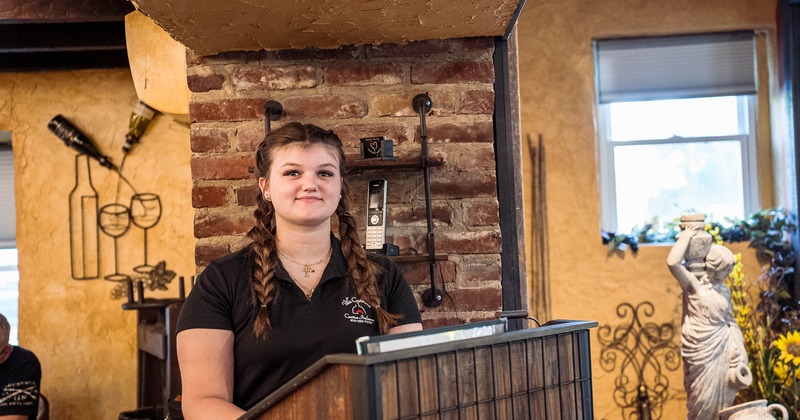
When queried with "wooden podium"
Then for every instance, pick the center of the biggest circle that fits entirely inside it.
(540, 373)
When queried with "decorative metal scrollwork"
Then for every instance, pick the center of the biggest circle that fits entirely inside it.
(640, 352)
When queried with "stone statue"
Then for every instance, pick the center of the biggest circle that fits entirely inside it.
(714, 356)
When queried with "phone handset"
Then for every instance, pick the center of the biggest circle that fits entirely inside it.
(376, 214)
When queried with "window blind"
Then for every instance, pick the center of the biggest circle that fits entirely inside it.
(8, 221)
(685, 66)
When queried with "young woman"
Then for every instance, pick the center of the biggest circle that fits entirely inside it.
(258, 317)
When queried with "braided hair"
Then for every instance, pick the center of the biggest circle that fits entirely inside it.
(363, 272)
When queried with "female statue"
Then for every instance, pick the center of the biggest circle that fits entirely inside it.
(714, 357)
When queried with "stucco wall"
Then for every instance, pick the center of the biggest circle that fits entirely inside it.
(84, 340)
(557, 100)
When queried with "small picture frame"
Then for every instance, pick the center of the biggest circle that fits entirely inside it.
(377, 148)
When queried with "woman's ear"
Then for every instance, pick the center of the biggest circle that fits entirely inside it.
(263, 185)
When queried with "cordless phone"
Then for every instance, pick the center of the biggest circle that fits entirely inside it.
(376, 214)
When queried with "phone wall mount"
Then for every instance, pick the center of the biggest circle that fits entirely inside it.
(377, 148)
(390, 250)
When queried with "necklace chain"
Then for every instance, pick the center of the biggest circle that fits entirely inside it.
(302, 288)
(306, 269)
(307, 266)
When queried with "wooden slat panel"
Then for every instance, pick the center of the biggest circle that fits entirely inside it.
(550, 361)
(538, 409)
(551, 377)
(535, 363)
(568, 407)
(387, 375)
(448, 386)
(408, 387)
(467, 384)
(484, 380)
(566, 359)
(450, 415)
(486, 411)
(428, 384)
(502, 379)
(468, 412)
(553, 403)
(519, 379)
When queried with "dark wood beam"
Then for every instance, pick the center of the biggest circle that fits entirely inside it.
(26, 46)
(15, 11)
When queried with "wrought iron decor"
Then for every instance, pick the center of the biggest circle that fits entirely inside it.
(145, 211)
(114, 219)
(84, 239)
(273, 111)
(422, 104)
(637, 350)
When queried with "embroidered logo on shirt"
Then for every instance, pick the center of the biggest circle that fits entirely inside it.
(357, 311)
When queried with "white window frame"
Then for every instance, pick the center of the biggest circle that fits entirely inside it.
(8, 237)
(747, 119)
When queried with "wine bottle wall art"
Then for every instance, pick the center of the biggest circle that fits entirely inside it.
(87, 219)
(84, 243)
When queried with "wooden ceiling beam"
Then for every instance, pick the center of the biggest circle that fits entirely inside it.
(62, 46)
(17, 11)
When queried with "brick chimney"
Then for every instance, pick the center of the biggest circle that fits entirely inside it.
(363, 91)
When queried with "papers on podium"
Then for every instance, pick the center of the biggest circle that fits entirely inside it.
(385, 343)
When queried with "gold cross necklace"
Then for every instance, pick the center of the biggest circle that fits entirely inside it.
(307, 267)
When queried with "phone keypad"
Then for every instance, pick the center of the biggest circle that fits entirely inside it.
(374, 239)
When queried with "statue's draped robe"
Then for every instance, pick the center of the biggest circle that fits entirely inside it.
(712, 349)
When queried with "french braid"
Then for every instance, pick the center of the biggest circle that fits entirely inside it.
(363, 272)
(263, 287)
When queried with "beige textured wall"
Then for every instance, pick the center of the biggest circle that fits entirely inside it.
(557, 100)
(85, 341)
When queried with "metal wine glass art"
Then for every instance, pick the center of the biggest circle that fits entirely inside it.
(114, 220)
(145, 211)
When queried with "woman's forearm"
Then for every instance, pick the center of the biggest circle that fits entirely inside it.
(209, 408)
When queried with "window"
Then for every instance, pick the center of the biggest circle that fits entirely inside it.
(9, 290)
(676, 120)
(9, 274)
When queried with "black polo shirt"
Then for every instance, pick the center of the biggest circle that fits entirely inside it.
(302, 331)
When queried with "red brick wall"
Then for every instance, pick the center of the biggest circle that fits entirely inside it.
(362, 92)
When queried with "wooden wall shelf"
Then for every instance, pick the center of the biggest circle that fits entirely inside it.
(356, 164)
(413, 258)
